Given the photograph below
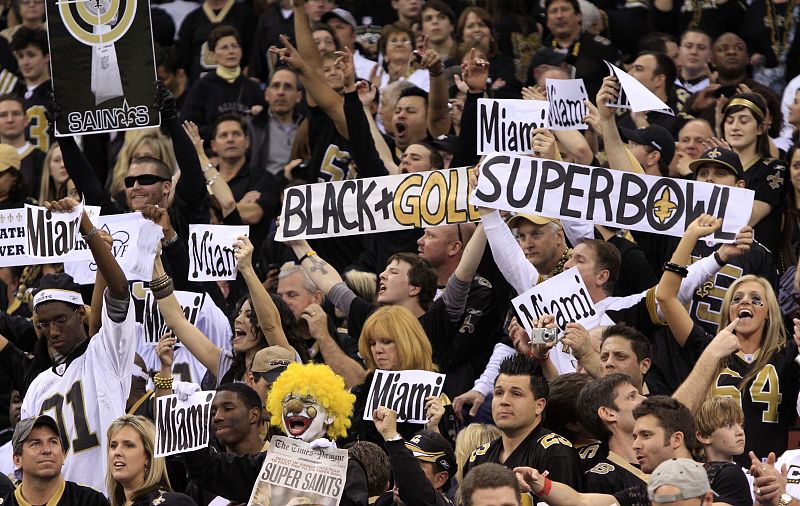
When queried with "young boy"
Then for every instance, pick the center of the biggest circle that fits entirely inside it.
(720, 431)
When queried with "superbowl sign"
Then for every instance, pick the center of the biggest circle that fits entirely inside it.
(660, 205)
(102, 65)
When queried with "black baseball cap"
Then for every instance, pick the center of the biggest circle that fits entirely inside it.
(655, 136)
(721, 157)
(445, 143)
(547, 56)
(428, 449)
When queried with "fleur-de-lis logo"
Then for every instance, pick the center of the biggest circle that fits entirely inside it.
(714, 154)
(663, 208)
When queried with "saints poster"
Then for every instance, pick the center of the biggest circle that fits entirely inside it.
(102, 65)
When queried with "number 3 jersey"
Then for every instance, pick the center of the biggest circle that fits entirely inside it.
(86, 394)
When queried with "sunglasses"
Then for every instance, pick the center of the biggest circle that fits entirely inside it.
(144, 180)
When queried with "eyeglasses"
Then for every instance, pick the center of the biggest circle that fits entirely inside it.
(144, 180)
(58, 322)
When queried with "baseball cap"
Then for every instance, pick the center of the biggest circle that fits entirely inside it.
(9, 158)
(427, 449)
(24, 427)
(547, 56)
(533, 218)
(341, 14)
(654, 136)
(725, 158)
(445, 143)
(688, 476)
(271, 362)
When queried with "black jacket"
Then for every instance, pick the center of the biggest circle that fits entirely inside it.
(233, 477)
(212, 96)
(412, 484)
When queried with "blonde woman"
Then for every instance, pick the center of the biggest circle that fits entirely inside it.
(54, 176)
(470, 439)
(134, 477)
(392, 339)
(141, 143)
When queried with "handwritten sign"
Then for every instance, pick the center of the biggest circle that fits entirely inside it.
(567, 99)
(211, 256)
(182, 426)
(661, 205)
(404, 392)
(378, 204)
(507, 125)
(564, 296)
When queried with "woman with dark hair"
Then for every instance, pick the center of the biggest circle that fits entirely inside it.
(789, 254)
(262, 320)
(475, 26)
(744, 126)
(13, 189)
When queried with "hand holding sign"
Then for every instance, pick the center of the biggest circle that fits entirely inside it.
(243, 251)
(434, 411)
(740, 246)
(386, 422)
(160, 216)
(703, 225)
(544, 144)
(608, 94)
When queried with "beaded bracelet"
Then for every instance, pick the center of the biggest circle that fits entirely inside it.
(163, 291)
(162, 383)
(680, 270)
(88, 237)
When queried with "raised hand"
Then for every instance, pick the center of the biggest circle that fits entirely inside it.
(243, 251)
(165, 101)
(475, 72)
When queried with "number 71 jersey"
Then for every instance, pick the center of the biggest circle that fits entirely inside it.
(769, 400)
(85, 395)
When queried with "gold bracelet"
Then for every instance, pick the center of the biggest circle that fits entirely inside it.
(162, 383)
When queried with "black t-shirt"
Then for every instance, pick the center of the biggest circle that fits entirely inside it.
(768, 178)
(729, 482)
(613, 474)
(542, 450)
(71, 495)
(591, 454)
(706, 15)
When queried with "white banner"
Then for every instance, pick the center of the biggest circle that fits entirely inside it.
(182, 426)
(661, 205)
(211, 255)
(404, 392)
(378, 204)
(634, 95)
(567, 99)
(135, 242)
(295, 472)
(507, 125)
(153, 322)
(53, 237)
(564, 296)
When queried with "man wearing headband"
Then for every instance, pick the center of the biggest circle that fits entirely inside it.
(90, 379)
(422, 466)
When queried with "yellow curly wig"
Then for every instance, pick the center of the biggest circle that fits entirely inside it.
(319, 382)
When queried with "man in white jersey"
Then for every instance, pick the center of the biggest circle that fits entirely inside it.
(88, 385)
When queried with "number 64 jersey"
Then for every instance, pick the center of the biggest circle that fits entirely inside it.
(85, 394)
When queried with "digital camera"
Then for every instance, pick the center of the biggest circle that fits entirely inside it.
(543, 336)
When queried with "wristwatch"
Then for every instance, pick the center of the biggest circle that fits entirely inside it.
(784, 500)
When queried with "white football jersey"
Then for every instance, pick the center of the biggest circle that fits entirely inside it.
(85, 396)
(211, 321)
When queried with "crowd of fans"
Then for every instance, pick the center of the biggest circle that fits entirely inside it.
(688, 390)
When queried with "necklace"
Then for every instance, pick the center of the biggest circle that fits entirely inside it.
(574, 50)
(788, 20)
(561, 261)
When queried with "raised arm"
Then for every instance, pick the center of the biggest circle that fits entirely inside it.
(269, 319)
(322, 94)
(365, 88)
(210, 173)
(190, 336)
(678, 319)
(438, 96)
(694, 389)
(473, 253)
(615, 149)
(321, 272)
(303, 36)
(190, 185)
(474, 73)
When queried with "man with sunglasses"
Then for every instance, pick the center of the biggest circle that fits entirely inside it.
(89, 380)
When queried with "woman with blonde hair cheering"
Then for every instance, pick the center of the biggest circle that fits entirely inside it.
(135, 477)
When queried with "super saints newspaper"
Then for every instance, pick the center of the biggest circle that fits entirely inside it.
(295, 473)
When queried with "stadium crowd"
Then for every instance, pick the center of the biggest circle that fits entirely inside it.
(686, 392)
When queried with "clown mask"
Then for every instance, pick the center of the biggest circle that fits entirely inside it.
(304, 418)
